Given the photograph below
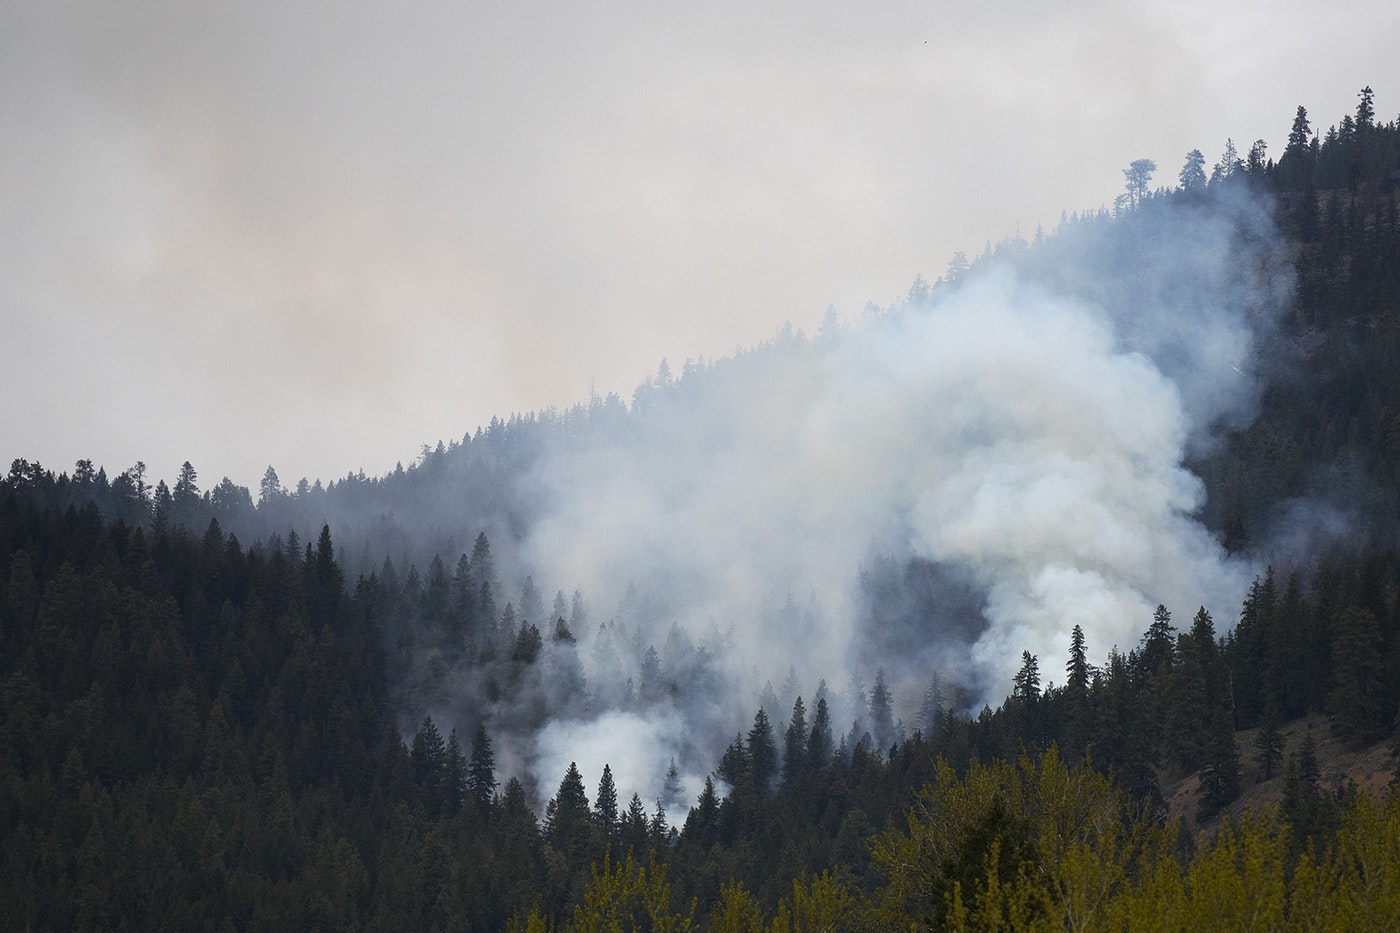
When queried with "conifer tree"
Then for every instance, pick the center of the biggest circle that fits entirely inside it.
(633, 826)
(703, 819)
(1268, 743)
(931, 709)
(672, 794)
(427, 757)
(881, 714)
(1076, 722)
(762, 753)
(605, 805)
(1220, 775)
(1026, 684)
(481, 770)
(454, 780)
(1185, 708)
(819, 741)
(795, 744)
(659, 832)
(1156, 653)
(1193, 172)
(567, 823)
(1358, 704)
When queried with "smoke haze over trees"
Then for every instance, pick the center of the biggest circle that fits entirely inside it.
(764, 576)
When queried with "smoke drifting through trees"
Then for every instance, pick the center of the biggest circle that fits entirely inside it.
(1002, 459)
(933, 489)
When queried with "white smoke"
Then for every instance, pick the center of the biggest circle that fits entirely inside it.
(1024, 427)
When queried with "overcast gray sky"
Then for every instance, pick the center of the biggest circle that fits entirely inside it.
(319, 235)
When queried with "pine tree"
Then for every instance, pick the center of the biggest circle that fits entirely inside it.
(672, 794)
(605, 805)
(931, 709)
(1207, 653)
(733, 766)
(701, 824)
(819, 742)
(1193, 172)
(762, 753)
(1357, 705)
(1026, 684)
(1077, 717)
(427, 756)
(1155, 655)
(632, 828)
(481, 770)
(568, 824)
(881, 714)
(1220, 776)
(531, 602)
(454, 780)
(659, 832)
(1185, 708)
(795, 744)
(1268, 743)
(185, 497)
(1024, 708)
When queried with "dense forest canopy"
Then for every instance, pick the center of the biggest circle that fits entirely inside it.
(1108, 499)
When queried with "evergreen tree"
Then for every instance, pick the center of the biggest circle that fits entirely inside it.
(881, 713)
(659, 832)
(1366, 109)
(1026, 685)
(733, 766)
(672, 794)
(633, 830)
(185, 497)
(1247, 650)
(481, 770)
(1077, 717)
(568, 824)
(531, 602)
(1268, 743)
(795, 744)
(528, 644)
(428, 755)
(931, 709)
(1154, 657)
(1193, 172)
(819, 743)
(762, 753)
(1207, 653)
(454, 779)
(1299, 134)
(1228, 166)
(605, 805)
(270, 491)
(1137, 176)
(1185, 708)
(1358, 704)
(1220, 776)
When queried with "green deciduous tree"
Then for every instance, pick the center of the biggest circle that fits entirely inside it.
(626, 896)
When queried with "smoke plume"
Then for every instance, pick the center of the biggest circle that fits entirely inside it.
(1020, 434)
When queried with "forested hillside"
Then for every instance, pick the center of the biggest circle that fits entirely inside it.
(335, 706)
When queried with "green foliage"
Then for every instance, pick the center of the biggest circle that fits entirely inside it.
(628, 898)
(1092, 868)
(737, 911)
(970, 842)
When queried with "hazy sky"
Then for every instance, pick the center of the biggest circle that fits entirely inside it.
(319, 235)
